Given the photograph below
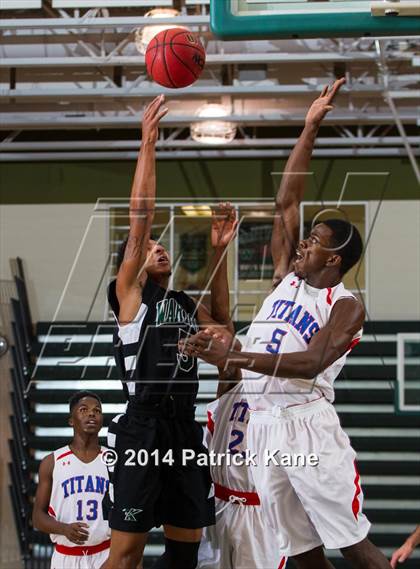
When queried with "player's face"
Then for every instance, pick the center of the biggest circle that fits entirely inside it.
(157, 263)
(314, 252)
(86, 416)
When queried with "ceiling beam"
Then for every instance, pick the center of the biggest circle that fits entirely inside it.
(101, 22)
(34, 122)
(237, 143)
(211, 59)
(200, 154)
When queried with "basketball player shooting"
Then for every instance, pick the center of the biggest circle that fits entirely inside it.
(72, 484)
(161, 384)
(296, 347)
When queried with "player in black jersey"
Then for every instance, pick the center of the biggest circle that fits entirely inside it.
(150, 484)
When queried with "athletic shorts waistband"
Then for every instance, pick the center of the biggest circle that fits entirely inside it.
(236, 496)
(81, 550)
(277, 413)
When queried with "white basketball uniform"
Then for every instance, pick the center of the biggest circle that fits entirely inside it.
(240, 539)
(77, 492)
(307, 505)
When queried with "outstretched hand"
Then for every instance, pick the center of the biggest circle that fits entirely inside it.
(224, 224)
(323, 104)
(212, 345)
(151, 117)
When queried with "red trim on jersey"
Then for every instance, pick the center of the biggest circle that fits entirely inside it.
(210, 422)
(329, 293)
(282, 563)
(51, 512)
(355, 506)
(353, 343)
(79, 550)
(252, 498)
(64, 454)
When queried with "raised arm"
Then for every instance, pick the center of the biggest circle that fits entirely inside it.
(131, 276)
(223, 229)
(285, 235)
(45, 522)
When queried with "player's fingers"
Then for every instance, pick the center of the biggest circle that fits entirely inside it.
(324, 91)
(329, 107)
(335, 88)
(162, 112)
(82, 534)
(154, 105)
(201, 343)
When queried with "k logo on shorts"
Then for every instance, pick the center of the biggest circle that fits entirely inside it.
(130, 514)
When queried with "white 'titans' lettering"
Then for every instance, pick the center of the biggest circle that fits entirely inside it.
(168, 311)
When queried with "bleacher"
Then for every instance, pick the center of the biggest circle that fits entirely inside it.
(64, 357)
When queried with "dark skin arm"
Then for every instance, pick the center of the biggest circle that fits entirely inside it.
(285, 234)
(131, 276)
(41, 520)
(223, 230)
(325, 347)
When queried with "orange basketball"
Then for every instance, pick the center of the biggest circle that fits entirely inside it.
(175, 58)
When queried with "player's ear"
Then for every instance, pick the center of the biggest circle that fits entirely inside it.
(333, 261)
(70, 421)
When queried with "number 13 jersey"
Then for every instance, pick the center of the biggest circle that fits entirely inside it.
(287, 321)
(77, 492)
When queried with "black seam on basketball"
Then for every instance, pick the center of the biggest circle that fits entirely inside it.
(179, 33)
(154, 58)
(183, 63)
(165, 64)
(200, 49)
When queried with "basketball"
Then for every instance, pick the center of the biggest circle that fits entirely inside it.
(175, 58)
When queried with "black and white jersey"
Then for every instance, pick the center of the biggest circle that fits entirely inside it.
(146, 349)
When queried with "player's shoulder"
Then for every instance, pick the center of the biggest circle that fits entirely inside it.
(46, 466)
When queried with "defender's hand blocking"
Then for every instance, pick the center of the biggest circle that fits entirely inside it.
(323, 104)
(212, 345)
(151, 117)
(224, 224)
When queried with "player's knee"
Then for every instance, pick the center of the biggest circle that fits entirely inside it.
(181, 554)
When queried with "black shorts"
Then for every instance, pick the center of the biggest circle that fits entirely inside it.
(148, 490)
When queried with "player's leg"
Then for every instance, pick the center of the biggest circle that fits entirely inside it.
(181, 548)
(364, 555)
(126, 550)
(186, 505)
(310, 559)
(253, 542)
(330, 491)
(281, 507)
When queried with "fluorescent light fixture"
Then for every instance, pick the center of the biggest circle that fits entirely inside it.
(213, 131)
(196, 210)
(143, 36)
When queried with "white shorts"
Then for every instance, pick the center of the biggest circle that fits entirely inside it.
(94, 561)
(307, 506)
(239, 540)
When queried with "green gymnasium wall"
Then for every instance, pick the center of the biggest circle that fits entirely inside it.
(84, 182)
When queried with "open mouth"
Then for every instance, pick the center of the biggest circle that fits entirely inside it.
(162, 260)
(91, 423)
(299, 256)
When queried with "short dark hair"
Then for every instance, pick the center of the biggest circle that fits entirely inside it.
(74, 399)
(121, 252)
(348, 242)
